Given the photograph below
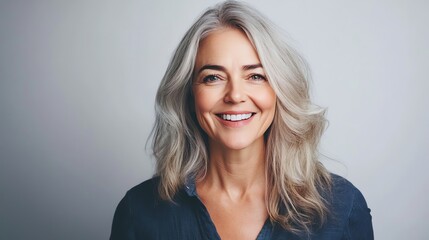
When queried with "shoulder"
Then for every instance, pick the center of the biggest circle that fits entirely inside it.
(349, 209)
(146, 191)
(142, 214)
(343, 190)
(144, 200)
(345, 195)
(136, 201)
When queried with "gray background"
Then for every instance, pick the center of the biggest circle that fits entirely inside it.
(78, 80)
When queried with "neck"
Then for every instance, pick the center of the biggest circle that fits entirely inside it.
(237, 172)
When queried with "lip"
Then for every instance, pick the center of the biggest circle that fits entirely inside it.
(235, 112)
(235, 124)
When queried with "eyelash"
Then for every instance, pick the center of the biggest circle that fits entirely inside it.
(210, 78)
(261, 77)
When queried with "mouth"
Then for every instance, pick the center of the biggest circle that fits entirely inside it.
(235, 117)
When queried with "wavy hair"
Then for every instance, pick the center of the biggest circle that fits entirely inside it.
(297, 180)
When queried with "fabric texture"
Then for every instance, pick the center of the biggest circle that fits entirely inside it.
(141, 214)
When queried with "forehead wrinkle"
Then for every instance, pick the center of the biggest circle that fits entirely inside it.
(213, 52)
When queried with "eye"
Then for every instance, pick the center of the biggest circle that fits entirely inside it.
(211, 78)
(258, 77)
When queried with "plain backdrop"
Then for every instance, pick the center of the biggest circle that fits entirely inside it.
(77, 87)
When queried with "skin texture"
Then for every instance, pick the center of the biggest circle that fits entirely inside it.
(230, 80)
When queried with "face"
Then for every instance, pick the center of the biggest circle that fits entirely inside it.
(234, 103)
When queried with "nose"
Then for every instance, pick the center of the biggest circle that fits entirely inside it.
(235, 91)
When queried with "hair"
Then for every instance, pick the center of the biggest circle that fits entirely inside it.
(296, 179)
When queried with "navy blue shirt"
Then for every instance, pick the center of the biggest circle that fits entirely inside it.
(141, 214)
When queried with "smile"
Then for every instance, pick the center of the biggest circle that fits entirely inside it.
(235, 117)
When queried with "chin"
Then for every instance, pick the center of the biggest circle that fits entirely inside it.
(236, 145)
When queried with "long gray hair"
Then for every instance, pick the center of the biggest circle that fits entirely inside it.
(295, 177)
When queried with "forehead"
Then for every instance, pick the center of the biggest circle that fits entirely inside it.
(226, 45)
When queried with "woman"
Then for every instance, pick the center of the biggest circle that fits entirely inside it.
(236, 141)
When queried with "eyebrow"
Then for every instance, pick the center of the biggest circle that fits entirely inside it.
(212, 67)
(221, 68)
(252, 66)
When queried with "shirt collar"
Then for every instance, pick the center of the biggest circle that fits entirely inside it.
(190, 187)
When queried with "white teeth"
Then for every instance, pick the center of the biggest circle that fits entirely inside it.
(236, 117)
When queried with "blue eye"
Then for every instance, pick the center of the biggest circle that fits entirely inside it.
(258, 77)
(210, 78)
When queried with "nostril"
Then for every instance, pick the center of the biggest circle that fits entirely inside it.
(234, 98)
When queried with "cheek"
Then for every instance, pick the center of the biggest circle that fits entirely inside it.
(266, 100)
(202, 103)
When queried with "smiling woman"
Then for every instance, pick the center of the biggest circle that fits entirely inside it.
(234, 103)
(235, 141)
